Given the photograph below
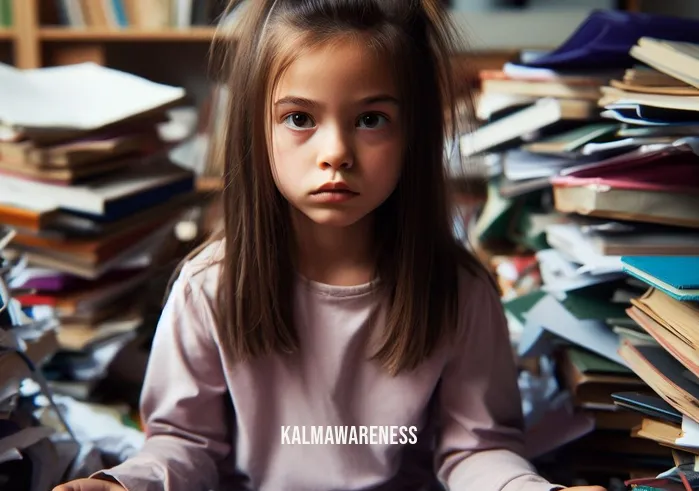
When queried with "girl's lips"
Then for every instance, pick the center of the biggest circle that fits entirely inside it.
(334, 196)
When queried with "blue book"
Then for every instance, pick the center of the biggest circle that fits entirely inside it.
(120, 13)
(605, 38)
(677, 276)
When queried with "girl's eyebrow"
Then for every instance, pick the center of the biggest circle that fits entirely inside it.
(381, 98)
(308, 103)
(296, 101)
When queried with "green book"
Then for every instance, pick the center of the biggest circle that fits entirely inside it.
(591, 363)
(6, 13)
(519, 306)
(573, 140)
(586, 305)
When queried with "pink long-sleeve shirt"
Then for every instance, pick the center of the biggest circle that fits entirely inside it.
(215, 425)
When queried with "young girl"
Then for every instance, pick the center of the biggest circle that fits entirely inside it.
(338, 300)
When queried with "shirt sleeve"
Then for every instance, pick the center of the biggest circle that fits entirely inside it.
(481, 441)
(183, 404)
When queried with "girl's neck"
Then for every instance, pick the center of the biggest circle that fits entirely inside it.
(341, 256)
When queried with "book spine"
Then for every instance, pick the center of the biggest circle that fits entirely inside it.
(108, 14)
(120, 13)
(5, 13)
(62, 9)
(133, 9)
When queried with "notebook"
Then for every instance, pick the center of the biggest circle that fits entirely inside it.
(677, 276)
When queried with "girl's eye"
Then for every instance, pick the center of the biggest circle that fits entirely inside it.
(371, 121)
(299, 120)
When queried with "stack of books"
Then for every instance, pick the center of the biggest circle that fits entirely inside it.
(668, 312)
(87, 187)
(587, 168)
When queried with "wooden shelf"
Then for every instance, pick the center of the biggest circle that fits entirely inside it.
(6, 34)
(66, 34)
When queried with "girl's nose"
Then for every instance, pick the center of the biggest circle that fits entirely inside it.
(337, 151)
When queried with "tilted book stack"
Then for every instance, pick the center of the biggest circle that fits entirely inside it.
(88, 189)
(592, 159)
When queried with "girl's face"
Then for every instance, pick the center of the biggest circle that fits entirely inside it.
(337, 140)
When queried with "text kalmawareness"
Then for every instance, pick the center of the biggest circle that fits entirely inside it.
(349, 435)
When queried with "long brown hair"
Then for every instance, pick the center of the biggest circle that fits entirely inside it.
(419, 257)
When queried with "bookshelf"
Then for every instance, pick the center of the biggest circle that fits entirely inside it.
(38, 40)
(63, 34)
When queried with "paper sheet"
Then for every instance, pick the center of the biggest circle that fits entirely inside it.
(594, 335)
(570, 241)
(84, 96)
(560, 275)
(690, 433)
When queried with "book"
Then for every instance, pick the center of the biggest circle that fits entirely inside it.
(649, 405)
(496, 81)
(613, 97)
(645, 76)
(542, 114)
(665, 375)
(657, 90)
(62, 176)
(109, 198)
(592, 379)
(680, 318)
(26, 217)
(571, 141)
(87, 267)
(656, 185)
(615, 238)
(91, 148)
(666, 337)
(662, 432)
(84, 338)
(677, 276)
(679, 60)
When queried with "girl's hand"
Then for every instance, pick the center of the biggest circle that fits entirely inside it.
(89, 485)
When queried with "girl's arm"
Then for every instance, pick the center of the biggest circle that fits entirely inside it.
(184, 399)
(482, 444)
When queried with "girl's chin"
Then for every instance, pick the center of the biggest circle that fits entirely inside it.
(334, 218)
